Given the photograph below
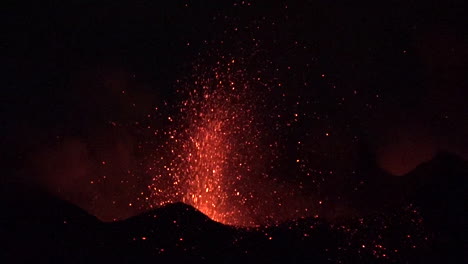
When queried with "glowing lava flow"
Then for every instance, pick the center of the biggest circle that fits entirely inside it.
(220, 127)
(216, 150)
(206, 187)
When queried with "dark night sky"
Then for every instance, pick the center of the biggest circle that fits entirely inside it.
(387, 77)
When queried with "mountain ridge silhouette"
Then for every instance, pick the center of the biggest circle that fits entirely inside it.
(48, 228)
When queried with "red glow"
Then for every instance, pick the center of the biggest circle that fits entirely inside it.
(209, 163)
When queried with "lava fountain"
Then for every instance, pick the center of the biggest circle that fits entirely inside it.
(216, 154)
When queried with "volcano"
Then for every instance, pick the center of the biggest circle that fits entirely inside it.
(38, 226)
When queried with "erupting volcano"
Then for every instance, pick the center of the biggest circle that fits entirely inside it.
(234, 132)
(220, 151)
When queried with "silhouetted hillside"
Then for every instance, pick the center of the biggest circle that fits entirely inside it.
(426, 224)
(38, 226)
(438, 188)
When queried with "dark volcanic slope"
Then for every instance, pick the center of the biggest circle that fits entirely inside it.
(438, 188)
(174, 231)
(37, 226)
(426, 226)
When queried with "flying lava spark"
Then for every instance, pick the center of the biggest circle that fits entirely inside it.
(234, 131)
(220, 149)
(225, 139)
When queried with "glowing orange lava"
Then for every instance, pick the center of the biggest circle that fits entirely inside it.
(205, 189)
(208, 162)
(210, 165)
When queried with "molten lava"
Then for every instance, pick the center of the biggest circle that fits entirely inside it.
(217, 149)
